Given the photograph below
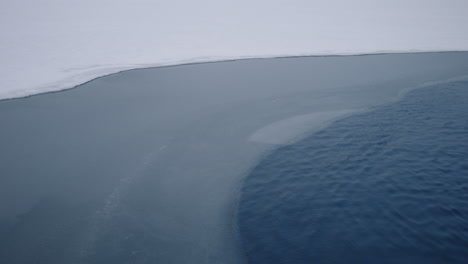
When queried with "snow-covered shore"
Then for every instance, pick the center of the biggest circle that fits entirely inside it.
(53, 45)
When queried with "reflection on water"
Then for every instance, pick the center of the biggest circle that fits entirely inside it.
(386, 186)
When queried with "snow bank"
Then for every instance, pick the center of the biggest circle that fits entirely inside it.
(52, 45)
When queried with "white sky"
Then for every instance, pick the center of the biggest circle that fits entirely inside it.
(50, 45)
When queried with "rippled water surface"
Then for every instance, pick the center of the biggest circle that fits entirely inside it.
(385, 186)
(145, 166)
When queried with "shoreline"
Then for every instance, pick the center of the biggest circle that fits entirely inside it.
(106, 71)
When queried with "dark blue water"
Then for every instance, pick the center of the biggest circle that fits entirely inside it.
(145, 166)
(385, 186)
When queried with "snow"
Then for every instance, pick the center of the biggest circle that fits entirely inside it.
(52, 45)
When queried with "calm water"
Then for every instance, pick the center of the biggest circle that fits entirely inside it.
(145, 166)
(385, 186)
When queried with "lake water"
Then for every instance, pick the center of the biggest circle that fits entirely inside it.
(146, 166)
(385, 186)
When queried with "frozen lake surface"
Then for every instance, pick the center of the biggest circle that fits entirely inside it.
(39, 54)
(145, 166)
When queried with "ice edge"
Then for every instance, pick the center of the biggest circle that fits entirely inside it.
(89, 74)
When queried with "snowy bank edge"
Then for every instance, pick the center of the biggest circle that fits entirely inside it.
(85, 75)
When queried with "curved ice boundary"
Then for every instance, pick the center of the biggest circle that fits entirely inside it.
(291, 129)
(161, 153)
(52, 45)
(69, 78)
